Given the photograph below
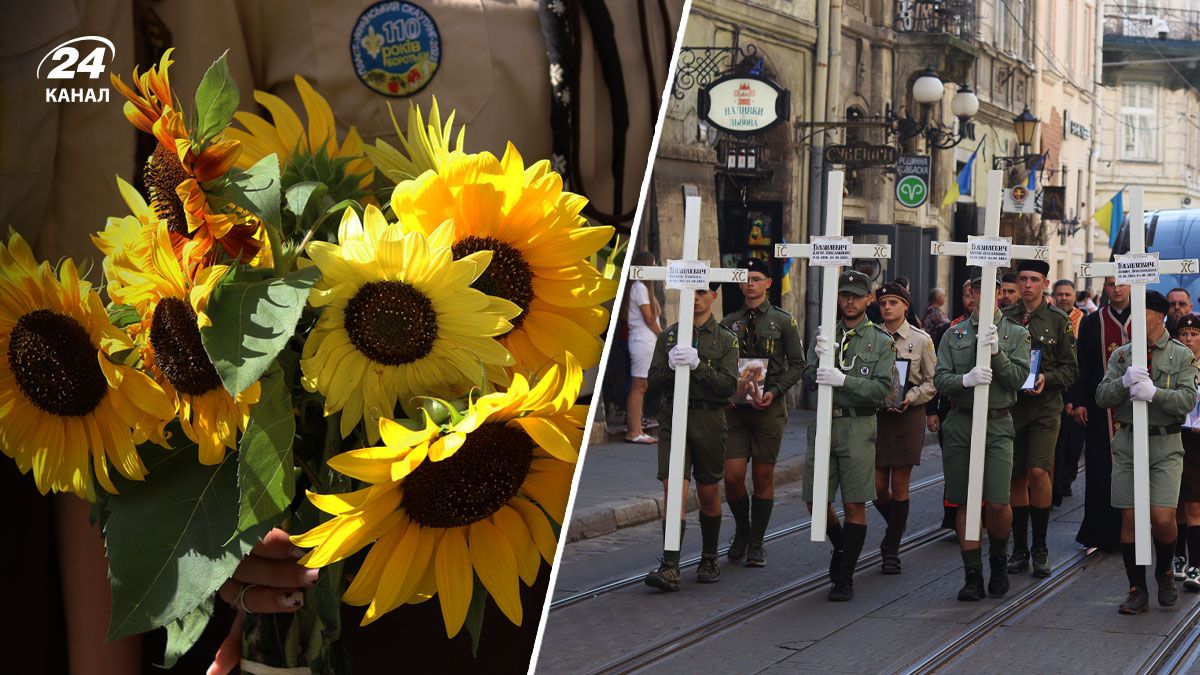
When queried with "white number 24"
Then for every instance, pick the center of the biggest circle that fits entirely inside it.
(92, 64)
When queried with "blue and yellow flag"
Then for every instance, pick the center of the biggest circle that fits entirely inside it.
(785, 281)
(963, 184)
(1032, 185)
(1109, 217)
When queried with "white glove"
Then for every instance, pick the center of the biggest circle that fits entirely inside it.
(991, 338)
(682, 355)
(978, 375)
(1133, 375)
(831, 376)
(1142, 391)
(822, 346)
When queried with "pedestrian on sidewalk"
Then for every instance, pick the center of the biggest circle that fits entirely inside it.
(711, 354)
(864, 356)
(642, 316)
(756, 420)
(1168, 386)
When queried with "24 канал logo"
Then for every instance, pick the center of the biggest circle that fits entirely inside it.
(84, 57)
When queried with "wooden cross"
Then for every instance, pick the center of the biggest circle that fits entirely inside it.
(1141, 428)
(824, 248)
(687, 303)
(983, 357)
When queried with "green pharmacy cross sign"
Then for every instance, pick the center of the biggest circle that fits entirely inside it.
(912, 180)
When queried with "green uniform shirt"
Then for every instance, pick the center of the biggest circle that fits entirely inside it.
(1172, 370)
(715, 379)
(775, 336)
(956, 357)
(867, 355)
(1049, 331)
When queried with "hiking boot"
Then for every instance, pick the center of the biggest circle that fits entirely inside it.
(1019, 561)
(1041, 568)
(891, 563)
(756, 556)
(1192, 582)
(998, 582)
(972, 590)
(665, 578)
(835, 563)
(1179, 567)
(709, 572)
(737, 547)
(1167, 593)
(842, 591)
(1137, 602)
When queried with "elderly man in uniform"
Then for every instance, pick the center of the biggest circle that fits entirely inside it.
(901, 422)
(757, 419)
(1168, 386)
(956, 377)
(712, 356)
(1038, 414)
(864, 356)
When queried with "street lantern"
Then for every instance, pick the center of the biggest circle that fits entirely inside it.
(1025, 126)
(928, 88)
(965, 103)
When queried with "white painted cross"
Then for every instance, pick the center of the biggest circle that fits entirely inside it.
(987, 252)
(1149, 268)
(831, 251)
(686, 275)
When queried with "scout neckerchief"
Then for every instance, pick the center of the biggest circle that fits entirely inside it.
(844, 343)
(754, 346)
(1113, 334)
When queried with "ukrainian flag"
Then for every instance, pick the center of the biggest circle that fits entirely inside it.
(963, 184)
(785, 283)
(1109, 217)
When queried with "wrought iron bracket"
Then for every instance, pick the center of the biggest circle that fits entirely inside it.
(699, 67)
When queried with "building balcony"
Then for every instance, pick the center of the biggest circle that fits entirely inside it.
(942, 32)
(1166, 40)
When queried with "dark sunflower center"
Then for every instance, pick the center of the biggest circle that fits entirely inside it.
(473, 483)
(54, 363)
(178, 350)
(508, 276)
(162, 174)
(391, 322)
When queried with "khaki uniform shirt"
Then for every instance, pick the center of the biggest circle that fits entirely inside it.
(1051, 332)
(715, 379)
(1173, 372)
(956, 357)
(866, 354)
(775, 337)
(915, 345)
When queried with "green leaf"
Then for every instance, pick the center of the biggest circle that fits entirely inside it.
(216, 100)
(266, 478)
(123, 315)
(300, 195)
(474, 622)
(253, 317)
(168, 539)
(258, 189)
(182, 634)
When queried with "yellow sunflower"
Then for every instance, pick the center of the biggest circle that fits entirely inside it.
(446, 504)
(540, 247)
(288, 139)
(399, 320)
(172, 306)
(177, 167)
(426, 147)
(65, 407)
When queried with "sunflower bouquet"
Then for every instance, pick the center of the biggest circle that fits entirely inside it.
(377, 348)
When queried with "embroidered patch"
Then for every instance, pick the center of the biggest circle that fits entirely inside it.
(395, 48)
(864, 371)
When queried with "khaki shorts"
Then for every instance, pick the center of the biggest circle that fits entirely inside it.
(851, 459)
(1036, 434)
(755, 434)
(1166, 469)
(704, 450)
(997, 462)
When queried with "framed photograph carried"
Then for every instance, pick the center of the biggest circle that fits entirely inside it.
(895, 398)
(1192, 421)
(1035, 363)
(752, 380)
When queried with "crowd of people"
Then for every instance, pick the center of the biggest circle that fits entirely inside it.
(1061, 383)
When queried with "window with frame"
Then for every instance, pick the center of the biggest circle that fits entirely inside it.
(1138, 114)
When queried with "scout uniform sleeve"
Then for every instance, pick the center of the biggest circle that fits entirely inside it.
(1179, 397)
(660, 375)
(793, 349)
(811, 363)
(925, 366)
(945, 380)
(719, 374)
(1010, 367)
(1063, 370)
(1111, 392)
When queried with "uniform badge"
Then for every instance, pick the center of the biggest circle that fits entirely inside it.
(910, 347)
(395, 48)
(864, 371)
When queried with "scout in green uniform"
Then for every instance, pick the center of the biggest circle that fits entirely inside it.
(955, 378)
(712, 357)
(1169, 387)
(1037, 416)
(864, 356)
(756, 421)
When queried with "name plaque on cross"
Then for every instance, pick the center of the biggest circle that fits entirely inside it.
(1136, 268)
